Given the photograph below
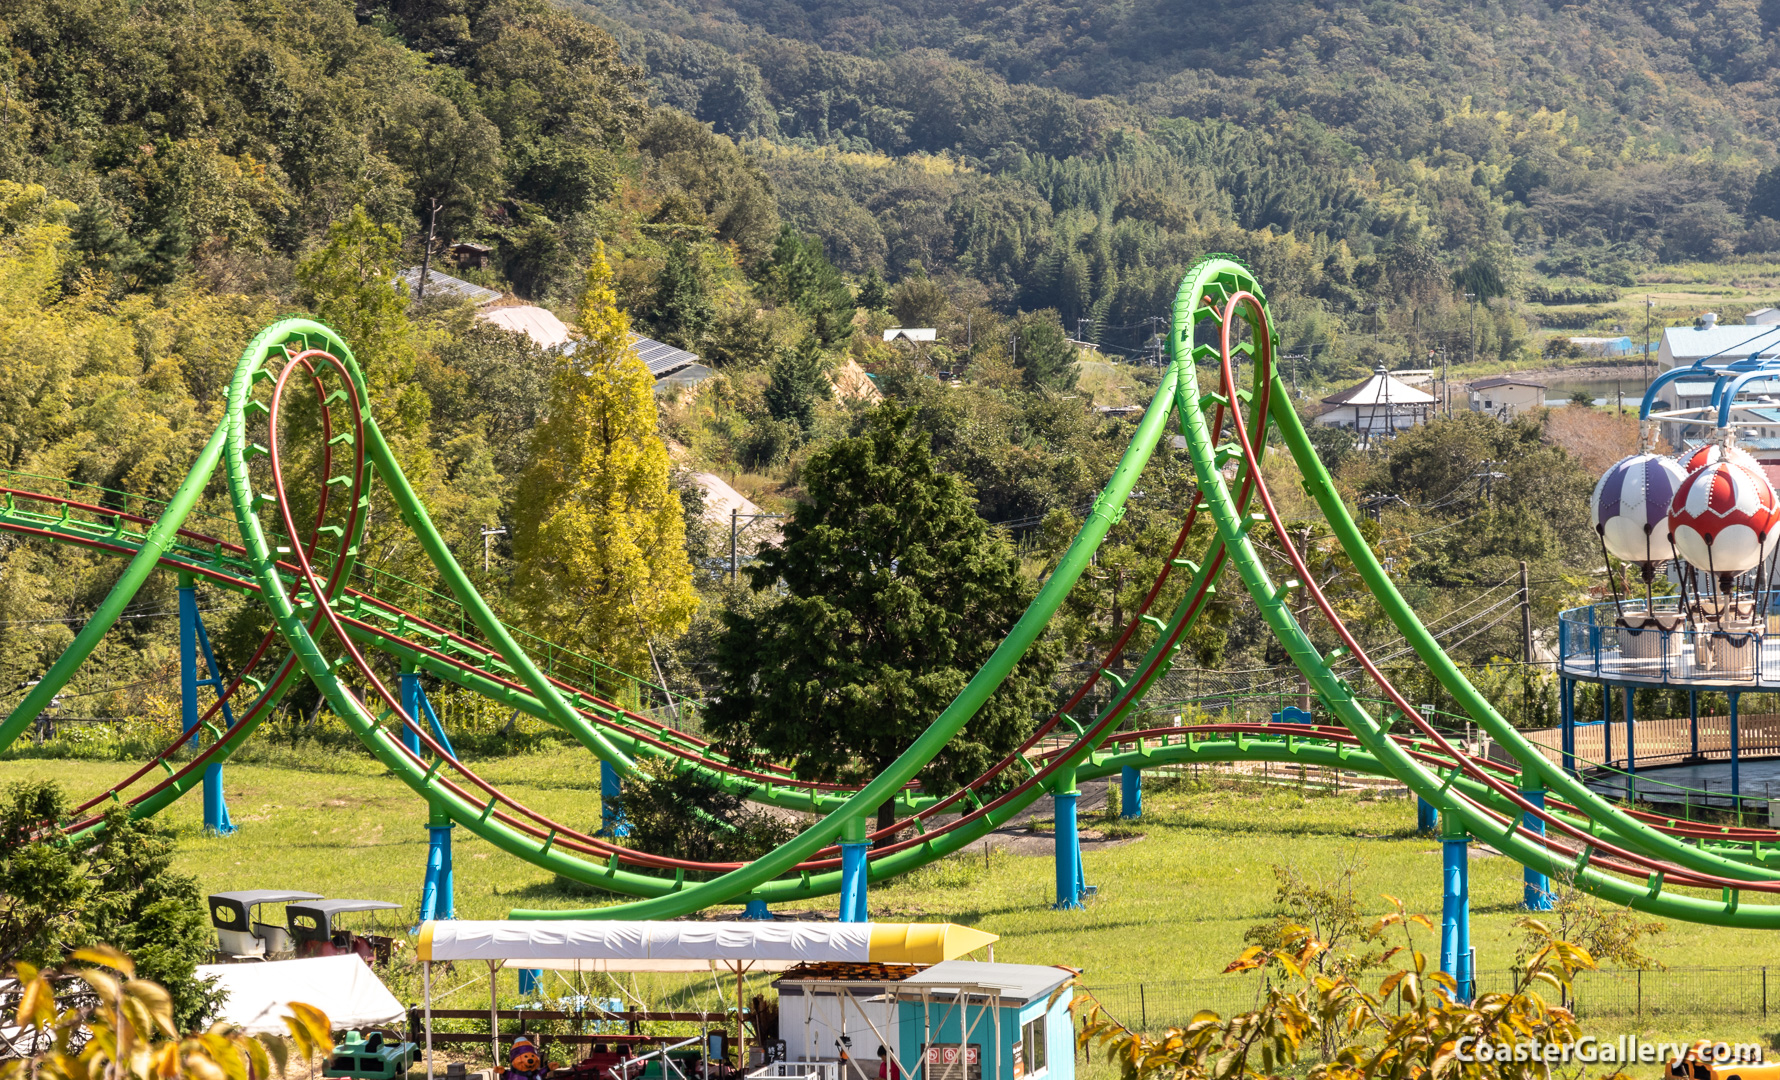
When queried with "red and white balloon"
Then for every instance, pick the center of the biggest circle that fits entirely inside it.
(1713, 453)
(1723, 518)
(1630, 507)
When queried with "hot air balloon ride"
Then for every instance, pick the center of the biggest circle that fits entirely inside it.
(1723, 522)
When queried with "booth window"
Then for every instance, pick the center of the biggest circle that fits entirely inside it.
(1032, 1046)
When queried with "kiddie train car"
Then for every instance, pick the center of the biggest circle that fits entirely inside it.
(314, 926)
(240, 935)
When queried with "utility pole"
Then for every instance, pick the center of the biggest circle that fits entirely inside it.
(1526, 644)
(1526, 616)
(1472, 298)
(1489, 476)
(486, 533)
(1649, 303)
(735, 513)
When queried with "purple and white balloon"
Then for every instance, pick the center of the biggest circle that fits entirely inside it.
(1631, 507)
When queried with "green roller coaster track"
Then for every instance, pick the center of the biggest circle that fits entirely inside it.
(327, 610)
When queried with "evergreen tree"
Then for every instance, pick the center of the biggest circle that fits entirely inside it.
(874, 295)
(797, 383)
(599, 535)
(1044, 355)
(894, 592)
(682, 311)
(799, 274)
(120, 890)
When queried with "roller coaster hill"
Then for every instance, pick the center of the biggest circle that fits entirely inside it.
(300, 455)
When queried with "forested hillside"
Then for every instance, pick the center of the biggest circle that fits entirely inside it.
(1088, 147)
(773, 185)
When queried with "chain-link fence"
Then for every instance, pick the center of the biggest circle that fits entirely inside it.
(1672, 992)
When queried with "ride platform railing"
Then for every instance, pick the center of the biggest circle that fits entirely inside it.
(1742, 654)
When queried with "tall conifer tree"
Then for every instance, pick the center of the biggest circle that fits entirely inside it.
(599, 538)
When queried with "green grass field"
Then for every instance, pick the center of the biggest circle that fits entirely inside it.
(1171, 904)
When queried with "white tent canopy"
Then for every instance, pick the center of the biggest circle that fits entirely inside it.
(341, 986)
(596, 945)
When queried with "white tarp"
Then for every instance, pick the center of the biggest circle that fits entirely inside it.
(646, 941)
(341, 986)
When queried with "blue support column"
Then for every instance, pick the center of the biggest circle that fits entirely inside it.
(1455, 908)
(436, 899)
(612, 821)
(1537, 893)
(1631, 748)
(411, 698)
(1567, 717)
(1736, 755)
(1069, 842)
(1607, 724)
(854, 868)
(1130, 793)
(757, 911)
(1427, 819)
(1693, 723)
(530, 979)
(188, 659)
(194, 645)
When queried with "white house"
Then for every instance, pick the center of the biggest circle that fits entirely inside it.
(1506, 396)
(1382, 405)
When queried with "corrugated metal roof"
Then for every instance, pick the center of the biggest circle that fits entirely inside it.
(444, 283)
(1012, 982)
(1702, 388)
(1506, 380)
(1725, 344)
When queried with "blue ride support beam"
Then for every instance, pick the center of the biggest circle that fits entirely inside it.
(757, 911)
(436, 899)
(612, 820)
(1693, 723)
(1631, 749)
(436, 893)
(854, 867)
(1069, 842)
(530, 979)
(411, 694)
(1427, 819)
(1455, 907)
(1537, 893)
(1130, 793)
(1567, 718)
(194, 645)
(188, 659)
(1607, 724)
(1736, 755)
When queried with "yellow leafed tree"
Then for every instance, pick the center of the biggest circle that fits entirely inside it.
(600, 540)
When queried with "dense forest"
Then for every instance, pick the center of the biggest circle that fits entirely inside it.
(772, 185)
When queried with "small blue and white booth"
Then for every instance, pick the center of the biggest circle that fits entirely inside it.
(955, 1020)
(964, 1020)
